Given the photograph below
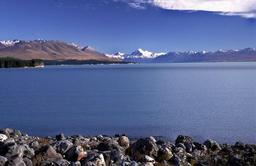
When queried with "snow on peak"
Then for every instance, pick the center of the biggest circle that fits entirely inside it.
(159, 54)
(204, 52)
(118, 55)
(140, 53)
(250, 49)
(9, 43)
(75, 45)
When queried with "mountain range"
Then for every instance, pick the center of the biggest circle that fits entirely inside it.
(247, 54)
(52, 50)
(49, 50)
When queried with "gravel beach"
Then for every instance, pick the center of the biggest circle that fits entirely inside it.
(20, 149)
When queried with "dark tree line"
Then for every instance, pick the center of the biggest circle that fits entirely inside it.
(8, 62)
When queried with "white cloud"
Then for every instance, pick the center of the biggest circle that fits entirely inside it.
(244, 8)
(138, 4)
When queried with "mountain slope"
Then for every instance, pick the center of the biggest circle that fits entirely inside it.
(2, 46)
(49, 50)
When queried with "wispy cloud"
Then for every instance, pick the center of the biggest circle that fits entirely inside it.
(244, 8)
(138, 4)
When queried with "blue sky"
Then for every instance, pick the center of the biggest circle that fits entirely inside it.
(125, 25)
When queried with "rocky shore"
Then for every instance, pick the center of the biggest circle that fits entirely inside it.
(19, 149)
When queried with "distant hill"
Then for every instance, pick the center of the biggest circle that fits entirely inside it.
(49, 50)
(143, 56)
(242, 55)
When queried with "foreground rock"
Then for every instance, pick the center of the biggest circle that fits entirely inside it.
(17, 148)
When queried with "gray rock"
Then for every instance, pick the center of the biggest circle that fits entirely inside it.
(133, 163)
(11, 132)
(239, 146)
(144, 147)
(27, 151)
(212, 145)
(108, 146)
(60, 137)
(3, 137)
(63, 146)
(7, 131)
(77, 163)
(46, 153)
(181, 145)
(3, 160)
(13, 150)
(147, 164)
(16, 161)
(28, 162)
(47, 163)
(62, 162)
(183, 139)
(123, 163)
(124, 141)
(189, 147)
(199, 146)
(164, 153)
(94, 159)
(35, 145)
(152, 139)
(186, 141)
(147, 158)
(9, 140)
(175, 160)
(236, 161)
(75, 153)
(115, 156)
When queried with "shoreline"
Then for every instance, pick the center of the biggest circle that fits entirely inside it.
(122, 63)
(17, 148)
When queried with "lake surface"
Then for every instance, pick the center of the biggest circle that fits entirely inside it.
(204, 100)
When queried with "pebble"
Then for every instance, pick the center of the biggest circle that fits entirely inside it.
(124, 141)
(3, 160)
(19, 149)
(75, 153)
(3, 137)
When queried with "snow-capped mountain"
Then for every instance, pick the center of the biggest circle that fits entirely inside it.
(140, 53)
(58, 50)
(49, 50)
(247, 54)
(118, 55)
(8, 43)
(143, 56)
